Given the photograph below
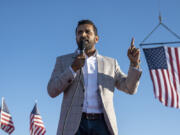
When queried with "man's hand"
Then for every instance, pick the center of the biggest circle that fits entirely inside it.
(78, 62)
(134, 55)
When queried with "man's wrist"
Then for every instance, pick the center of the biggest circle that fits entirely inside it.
(135, 64)
(74, 68)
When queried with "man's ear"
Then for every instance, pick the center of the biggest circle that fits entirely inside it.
(96, 39)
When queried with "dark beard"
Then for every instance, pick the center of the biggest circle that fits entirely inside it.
(86, 43)
(88, 46)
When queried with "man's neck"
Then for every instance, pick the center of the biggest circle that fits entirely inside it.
(90, 52)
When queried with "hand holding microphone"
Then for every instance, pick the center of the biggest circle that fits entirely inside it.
(79, 60)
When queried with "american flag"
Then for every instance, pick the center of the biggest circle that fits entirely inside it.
(164, 66)
(6, 122)
(36, 123)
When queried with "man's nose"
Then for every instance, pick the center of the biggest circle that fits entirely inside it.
(84, 34)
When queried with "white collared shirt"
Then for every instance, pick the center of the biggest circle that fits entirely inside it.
(92, 101)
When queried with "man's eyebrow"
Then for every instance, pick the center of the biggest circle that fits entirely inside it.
(79, 30)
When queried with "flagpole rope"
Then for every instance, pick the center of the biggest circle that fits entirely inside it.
(150, 34)
(160, 23)
(170, 30)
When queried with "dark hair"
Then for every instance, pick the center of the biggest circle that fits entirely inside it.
(82, 22)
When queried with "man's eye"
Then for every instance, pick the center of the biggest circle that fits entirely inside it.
(79, 32)
(87, 31)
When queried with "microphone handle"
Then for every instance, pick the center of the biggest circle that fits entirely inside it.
(81, 51)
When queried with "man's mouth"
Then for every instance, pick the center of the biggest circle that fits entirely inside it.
(86, 41)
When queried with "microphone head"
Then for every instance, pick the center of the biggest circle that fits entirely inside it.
(82, 45)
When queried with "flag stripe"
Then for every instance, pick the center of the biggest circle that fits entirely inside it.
(163, 92)
(178, 62)
(169, 95)
(159, 86)
(40, 131)
(166, 88)
(175, 59)
(6, 114)
(172, 93)
(173, 74)
(5, 121)
(153, 83)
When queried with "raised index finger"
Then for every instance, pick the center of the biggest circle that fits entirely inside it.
(132, 42)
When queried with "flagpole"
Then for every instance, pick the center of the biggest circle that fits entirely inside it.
(36, 101)
(1, 111)
(2, 102)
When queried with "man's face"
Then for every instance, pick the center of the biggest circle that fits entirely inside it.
(86, 32)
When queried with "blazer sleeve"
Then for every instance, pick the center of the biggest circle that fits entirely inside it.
(60, 79)
(127, 83)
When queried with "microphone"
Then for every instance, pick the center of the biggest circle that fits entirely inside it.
(82, 46)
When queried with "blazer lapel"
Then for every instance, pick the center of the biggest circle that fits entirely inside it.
(81, 77)
(100, 66)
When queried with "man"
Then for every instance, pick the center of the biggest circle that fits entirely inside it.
(87, 81)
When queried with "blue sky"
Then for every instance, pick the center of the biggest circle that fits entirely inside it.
(34, 32)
